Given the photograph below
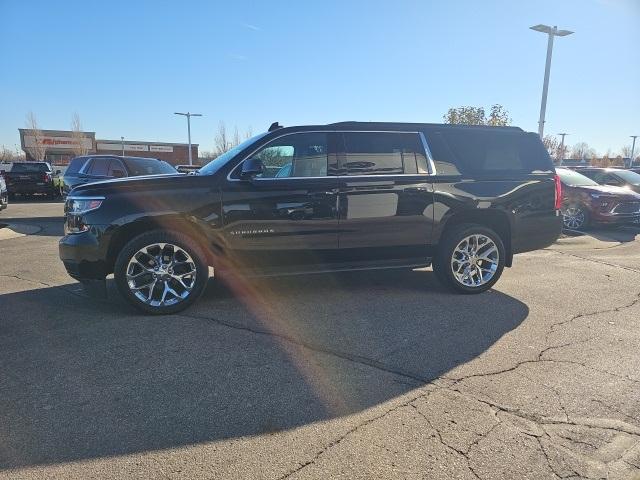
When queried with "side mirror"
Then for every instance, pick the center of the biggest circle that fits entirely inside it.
(58, 172)
(251, 167)
(118, 174)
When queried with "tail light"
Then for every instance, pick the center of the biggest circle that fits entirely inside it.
(46, 177)
(558, 199)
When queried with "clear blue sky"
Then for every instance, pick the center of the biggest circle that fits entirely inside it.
(125, 66)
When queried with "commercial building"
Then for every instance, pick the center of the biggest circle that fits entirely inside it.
(60, 146)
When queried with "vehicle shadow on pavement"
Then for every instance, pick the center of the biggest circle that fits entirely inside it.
(85, 379)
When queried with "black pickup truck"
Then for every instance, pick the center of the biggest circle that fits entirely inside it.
(28, 178)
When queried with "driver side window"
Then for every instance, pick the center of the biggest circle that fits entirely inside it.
(296, 155)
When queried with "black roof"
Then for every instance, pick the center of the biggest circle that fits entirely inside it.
(414, 126)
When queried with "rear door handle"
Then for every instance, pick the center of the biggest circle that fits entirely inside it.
(416, 189)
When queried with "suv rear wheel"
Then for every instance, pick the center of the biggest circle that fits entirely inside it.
(470, 258)
(161, 272)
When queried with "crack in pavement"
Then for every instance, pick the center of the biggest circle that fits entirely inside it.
(602, 262)
(417, 380)
(354, 429)
(38, 282)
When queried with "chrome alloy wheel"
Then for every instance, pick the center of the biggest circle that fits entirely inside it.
(475, 260)
(161, 274)
(573, 217)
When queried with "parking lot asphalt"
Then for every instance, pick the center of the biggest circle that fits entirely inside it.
(359, 375)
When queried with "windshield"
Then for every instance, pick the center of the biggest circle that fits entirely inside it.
(628, 176)
(29, 167)
(574, 179)
(148, 166)
(213, 166)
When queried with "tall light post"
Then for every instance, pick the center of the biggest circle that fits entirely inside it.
(122, 141)
(551, 32)
(562, 146)
(189, 115)
(633, 149)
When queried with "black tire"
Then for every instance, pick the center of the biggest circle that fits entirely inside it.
(180, 240)
(580, 212)
(442, 263)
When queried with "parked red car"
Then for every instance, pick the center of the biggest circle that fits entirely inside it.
(585, 202)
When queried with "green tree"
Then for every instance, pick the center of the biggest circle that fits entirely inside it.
(468, 115)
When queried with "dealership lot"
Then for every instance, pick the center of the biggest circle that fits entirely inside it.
(360, 375)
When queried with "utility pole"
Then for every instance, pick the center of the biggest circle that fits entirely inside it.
(551, 32)
(122, 140)
(633, 149)
(561, 151)
(189, 115)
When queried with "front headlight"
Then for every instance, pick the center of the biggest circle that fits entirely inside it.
(79, 205)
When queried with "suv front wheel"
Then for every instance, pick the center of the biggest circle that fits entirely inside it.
(161, 272)
(470, 258)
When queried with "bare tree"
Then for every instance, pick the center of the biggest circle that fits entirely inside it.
(221, 140)
(236, 136)
(223, 143)
(78, 136)
(581, 151)
(625, 151)
(38, 150)
(552, 145)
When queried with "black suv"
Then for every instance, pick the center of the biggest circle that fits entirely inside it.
(343, 196)
(95, 168)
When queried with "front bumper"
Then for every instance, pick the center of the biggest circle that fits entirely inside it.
(616, 218)
(84, 254)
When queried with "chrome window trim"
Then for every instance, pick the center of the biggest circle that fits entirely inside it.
(425, 146)
(124, 168)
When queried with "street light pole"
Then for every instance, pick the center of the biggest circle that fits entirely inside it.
(551, 32)
(189, 115)
(122, 140)
(562, 146)
(633, 149)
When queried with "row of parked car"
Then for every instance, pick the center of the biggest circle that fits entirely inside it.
(39, 178)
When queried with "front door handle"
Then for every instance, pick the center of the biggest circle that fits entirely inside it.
(370, 184)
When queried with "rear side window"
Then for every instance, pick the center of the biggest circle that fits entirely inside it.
(148, 166)
(381, 153)
(485, 152)
(99, 167)
(75, 165)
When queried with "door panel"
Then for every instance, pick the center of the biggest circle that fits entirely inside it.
(388, 216)
(281, 221)
(288, 213)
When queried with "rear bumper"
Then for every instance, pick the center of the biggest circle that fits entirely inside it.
(84, 255)
(31, 188)
(538, 233)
